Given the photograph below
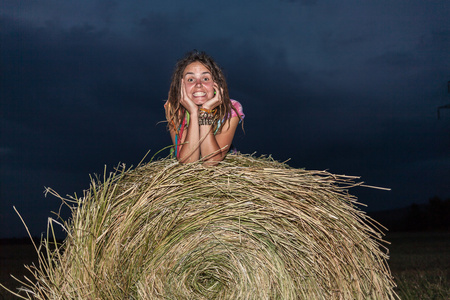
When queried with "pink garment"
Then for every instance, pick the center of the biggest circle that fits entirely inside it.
(238, 107)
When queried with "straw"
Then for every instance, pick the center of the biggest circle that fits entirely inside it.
(249, 228)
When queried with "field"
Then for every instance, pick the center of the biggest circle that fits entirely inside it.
(420, 264)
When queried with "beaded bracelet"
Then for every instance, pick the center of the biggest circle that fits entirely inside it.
(202, 121)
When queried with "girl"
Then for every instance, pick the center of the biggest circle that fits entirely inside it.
(202, 119)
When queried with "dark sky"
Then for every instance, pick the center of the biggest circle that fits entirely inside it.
(347, 86)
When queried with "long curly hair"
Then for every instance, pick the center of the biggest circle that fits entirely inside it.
(175, 112)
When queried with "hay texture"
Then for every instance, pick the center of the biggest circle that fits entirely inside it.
(249, 228)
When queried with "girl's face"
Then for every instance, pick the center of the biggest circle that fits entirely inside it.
(198, 82)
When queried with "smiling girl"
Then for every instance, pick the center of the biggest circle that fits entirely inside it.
(202, 119)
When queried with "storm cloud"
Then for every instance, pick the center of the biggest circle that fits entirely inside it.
(350, 87)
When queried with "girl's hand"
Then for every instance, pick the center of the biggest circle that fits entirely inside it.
(187, 102)
(216, 100)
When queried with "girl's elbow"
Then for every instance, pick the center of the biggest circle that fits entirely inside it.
(215, 160)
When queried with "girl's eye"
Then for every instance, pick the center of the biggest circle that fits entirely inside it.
(206, 79)
(190, 80)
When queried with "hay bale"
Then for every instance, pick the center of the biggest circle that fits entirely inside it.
(250, 228)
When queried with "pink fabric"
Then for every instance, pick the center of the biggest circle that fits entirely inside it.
(238, 107)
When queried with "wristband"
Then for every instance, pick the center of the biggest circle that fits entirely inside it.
(208, 111)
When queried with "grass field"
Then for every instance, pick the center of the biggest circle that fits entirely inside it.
(420, 264)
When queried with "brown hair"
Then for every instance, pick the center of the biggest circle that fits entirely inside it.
(175, 112)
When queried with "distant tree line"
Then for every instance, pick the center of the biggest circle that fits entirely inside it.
(432, 216)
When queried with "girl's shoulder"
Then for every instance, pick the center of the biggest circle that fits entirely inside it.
(238, 107)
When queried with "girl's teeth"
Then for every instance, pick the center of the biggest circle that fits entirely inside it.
(199, 94)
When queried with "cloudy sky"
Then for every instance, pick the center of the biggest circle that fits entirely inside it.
(348, 86)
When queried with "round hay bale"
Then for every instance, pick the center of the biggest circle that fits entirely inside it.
(249, 228)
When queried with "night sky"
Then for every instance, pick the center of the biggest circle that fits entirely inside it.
(351, 87)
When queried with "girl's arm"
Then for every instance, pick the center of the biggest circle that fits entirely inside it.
(214, 148)
(190, 146)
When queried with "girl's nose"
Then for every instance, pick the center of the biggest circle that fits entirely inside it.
(198, 83)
